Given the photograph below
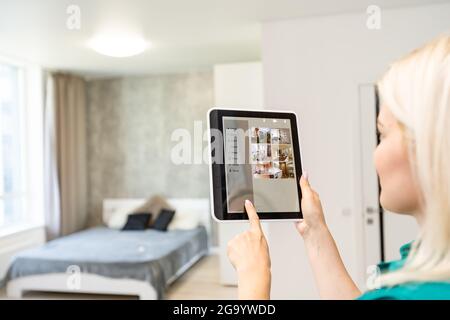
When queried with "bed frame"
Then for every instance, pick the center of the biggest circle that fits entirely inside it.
(95, 284)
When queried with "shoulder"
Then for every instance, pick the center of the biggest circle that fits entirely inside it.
(411, 291)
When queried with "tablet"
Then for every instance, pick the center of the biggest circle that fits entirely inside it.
(254, 155)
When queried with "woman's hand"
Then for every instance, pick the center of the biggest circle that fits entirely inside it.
(313, 221)
(333, 280)
(249, 254)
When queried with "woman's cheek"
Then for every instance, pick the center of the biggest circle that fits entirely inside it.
(386, 164)
(378, 162)
(398, 192)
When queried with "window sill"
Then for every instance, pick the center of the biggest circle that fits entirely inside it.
(17, 229)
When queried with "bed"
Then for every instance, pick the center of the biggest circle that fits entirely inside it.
(107, 261)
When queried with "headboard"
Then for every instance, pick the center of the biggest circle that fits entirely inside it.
(200, 205)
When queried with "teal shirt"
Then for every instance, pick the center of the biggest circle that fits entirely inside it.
(407, 291)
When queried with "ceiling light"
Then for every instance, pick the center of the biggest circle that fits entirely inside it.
(118, 45)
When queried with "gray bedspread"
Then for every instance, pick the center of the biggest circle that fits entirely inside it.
(150, 255)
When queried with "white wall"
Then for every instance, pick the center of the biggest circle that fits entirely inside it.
(236, 85)
(314, 66)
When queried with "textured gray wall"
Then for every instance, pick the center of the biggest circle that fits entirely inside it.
(130, 121)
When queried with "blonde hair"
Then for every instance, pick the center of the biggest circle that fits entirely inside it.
(416, 89)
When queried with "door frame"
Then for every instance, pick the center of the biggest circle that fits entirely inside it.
(366, 247)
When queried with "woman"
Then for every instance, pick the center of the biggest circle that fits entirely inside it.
(413, 164)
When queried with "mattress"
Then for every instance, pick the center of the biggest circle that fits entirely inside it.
(151, 255)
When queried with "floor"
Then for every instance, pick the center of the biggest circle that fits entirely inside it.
(201, 282)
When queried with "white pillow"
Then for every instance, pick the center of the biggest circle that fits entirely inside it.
(184, 219)
(119, 217)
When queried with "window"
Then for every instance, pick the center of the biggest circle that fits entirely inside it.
(13, 193)
(21, 146)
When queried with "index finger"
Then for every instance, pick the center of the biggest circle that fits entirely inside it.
(252, 216)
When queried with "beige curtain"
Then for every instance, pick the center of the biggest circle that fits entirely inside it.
(65, 155)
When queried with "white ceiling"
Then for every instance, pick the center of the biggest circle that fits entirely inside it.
(186, 34)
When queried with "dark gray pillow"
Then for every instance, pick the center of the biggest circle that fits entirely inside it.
(163, 219)
(137, 221)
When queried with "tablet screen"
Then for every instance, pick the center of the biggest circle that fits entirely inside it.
(260, 164)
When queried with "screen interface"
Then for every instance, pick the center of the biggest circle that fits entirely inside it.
(260, 164)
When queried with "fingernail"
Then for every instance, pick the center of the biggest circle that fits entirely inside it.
(248, 202)
(305, 174)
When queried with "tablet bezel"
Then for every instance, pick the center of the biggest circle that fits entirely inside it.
(217, 171)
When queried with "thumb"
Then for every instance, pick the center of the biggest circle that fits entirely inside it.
(252, 216)
(305, 186)
(301, 226)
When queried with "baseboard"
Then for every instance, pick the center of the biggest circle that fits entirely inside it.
(214, 250)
